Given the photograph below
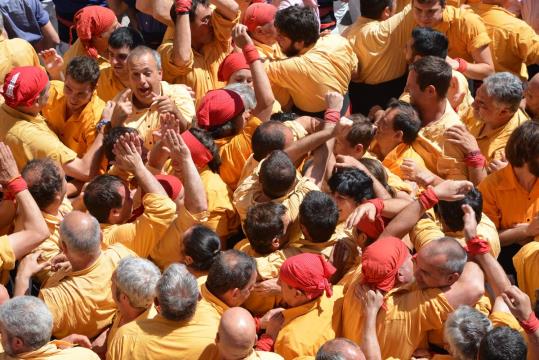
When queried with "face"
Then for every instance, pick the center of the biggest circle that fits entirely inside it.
(101, 41)
(427, 15)
(266, 34)
(291, 296)
(118, 60)
(406, 271)
(77, 94)
(427, 270)
(484, 107)
(242, 76)
(289, 47)
(416, 94)
(345, 204)
(532, 98)
(246, 291)
(127, 204)
(144, 78)
(44, 97)
(533, 167)
(384, 128)
(201, 27)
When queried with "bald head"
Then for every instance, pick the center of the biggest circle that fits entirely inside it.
(80, 233)
(532, 96)
(340, 349)
(452, 255)
(271, 135)
(237, 333)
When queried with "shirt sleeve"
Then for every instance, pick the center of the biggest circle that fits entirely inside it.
(490, 207)
(424, 232)
(41, 144)
(528, 44)
(42, 17)
(173, 70)
(7, 256)
(434, 309)
(475, 32)
(222, 27)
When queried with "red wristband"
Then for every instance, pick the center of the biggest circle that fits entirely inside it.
(183, 6)
(463, 65)
(250, 53)
(475, 160)
(332, 115)
(265, 343)
(428, 198)
(14, 187)
(531, 325)
(477, 246)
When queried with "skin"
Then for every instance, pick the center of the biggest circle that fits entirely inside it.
(532, 96)
(345, 204)
(236, 335)
(266, 34)
(242, 76)
(201, 27)
(144, 79)
(78, 95)
(122, 214)
(118, 60)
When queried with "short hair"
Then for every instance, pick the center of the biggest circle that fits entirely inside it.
(81, 239)
(431, 70)
(464, 329)
(177, 293)
(455, 254)
(112, 137)
(503, 343)
(523, 144)
(232, 269)
(319, 214)
(377, 170)
(266, 138)
(203, 246)
(362, 131)
(83, 69)
(125, 36)
(27, 318)
(505, 88)
(277, 174)
(451, 211)
(263, 224)
(284, 116)
(101, 196)
(429, 42)
(246, 92)
(298, 24)
(137, 278)
(192, 10)
(44, 180)
(441, 2)
(353, 183)
(331, 349)
(373, 9)
(142, 50)
(406, 120)
(207, 140)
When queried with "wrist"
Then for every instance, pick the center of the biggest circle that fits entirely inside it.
(462, 65)
(428, 198)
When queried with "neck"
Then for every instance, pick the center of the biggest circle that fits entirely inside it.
(524, 177)
(500, 122)
(53, 209)
(129, 314)
(386, 148)
(433, 112)
(84, 262)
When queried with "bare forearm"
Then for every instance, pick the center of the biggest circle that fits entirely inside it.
(147, 182)
(161, 11)
(263, 93)
(511, 236)
(94, 156)
(369, 341)
(297, 149)
(392, 207)
(494, 273)
(35, 228)
(50, 36)
(181, 51)
(195, 200)
(478, 71)
(404, 221)
(476, 175)
(22, 284)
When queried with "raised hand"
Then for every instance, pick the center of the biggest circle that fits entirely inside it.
(53, 62)
(240, 36)
(123, 109)
(452, 190)
(518, 303)
(367, 209)
(470, 222)
(8, 166)
(127, 151)
(460, 136)
(163, 104)
(334, 100)
(178, 149)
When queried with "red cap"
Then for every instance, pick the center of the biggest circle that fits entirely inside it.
(232, 63)
(258, 14)
(219, 106)
(90, 22)
(200, 154)
(23, 85)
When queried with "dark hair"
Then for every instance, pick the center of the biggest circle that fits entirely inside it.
(373, 9)
(503, 343)
(125, 36)
(192, 10)
(431, 70)
(377, 170)
(362, 131)
(229, 128)
(203, 246)
(83, 69)
(451, 211)
(319, 214)
(277, 174)
(232, 269)
(44, 180)
(266, 138)
(101, 196)
(284, 116)
(406, 120)
(353, 183)
(429, 42)
(441, 2)
(112, 136)
(523, 144)
(205, 138)
(298, 24)
(263, 224)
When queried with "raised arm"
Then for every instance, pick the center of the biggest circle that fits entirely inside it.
(372, 302)
(181, 46)
(87, 167)
(227, 8)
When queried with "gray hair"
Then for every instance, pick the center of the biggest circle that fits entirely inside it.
(81, 233)
(177, 293)
(27, 318)
(505, 88)
(464, 329)
(246, 92)
(142, 50)
(136, 278)
(454, 252)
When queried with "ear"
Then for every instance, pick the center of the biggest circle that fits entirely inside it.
(386, 14)
(17, 344)
(299, 45)
(217, 338)
(156, 303)
(188, 260)
(235, 292)
(275, 243)
(359, 149)
(63, 247)
(114, 214)
(453, 278)
(431, 90)
(398, 135)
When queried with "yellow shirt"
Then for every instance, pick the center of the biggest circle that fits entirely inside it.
(200, 73)
(326, 66)
(395, 157)
(7, 258)
(16, 52)
(78, 131)
(263, 355)
(392, 180)
(269, 52)
(216, 306)
(514, 45)
(53, 351)
(341, 233)
(108, 85)
(309, 326)
(146, 120)
(81, 301)
(411, 313)
(505, 201)
(150, 313)
(525, 262)
(379, 46)
(30, 138)
(146, 231)
(77, 49)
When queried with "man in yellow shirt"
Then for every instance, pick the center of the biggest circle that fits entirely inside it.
(531, 95)
(201, 40)
(184, 327)
(259, 21)
(15, 52)
(26, 325)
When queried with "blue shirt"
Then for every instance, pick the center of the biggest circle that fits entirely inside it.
(24, 19)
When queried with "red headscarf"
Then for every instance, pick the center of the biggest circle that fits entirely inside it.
(219, 106)
(232, 63)
(92, 21)
(199, 153)
(309, 273)
(381, 261)
(258, 14)
(23, 85)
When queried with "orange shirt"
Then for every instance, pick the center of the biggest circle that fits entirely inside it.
(525, 262)
(108, 85)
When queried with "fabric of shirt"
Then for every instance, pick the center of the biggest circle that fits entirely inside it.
(392, 180)
(108, 85)
(53, 351)
(327, 65)
(150, 313)
(24, 19)
(14, 53)
(77, 49)
(269, 52)
(525, 262)
(30, 138)
(81, 302)
(7, 259)
(263, 355)
(395, 157)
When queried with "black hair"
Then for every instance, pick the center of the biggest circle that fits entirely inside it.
(203, 246)
(298, 24)
(101, 196)
(112, 137)
(373, 9)
(319, 214)
(232, 269)
(83, 69)
(429, 42)
(406, 120)
(277, 174)
(44, 180)
(431, 70)
(206, 139)
(451, 211)
(263, 224)
(125, 36)
(503, 343)
(353, 183)
(266, 138)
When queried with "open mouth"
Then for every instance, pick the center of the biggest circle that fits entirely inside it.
(145, 92)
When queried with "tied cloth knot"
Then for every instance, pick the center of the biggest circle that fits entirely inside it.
(90, 22)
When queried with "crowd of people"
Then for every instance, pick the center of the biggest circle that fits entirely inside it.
(227, 179)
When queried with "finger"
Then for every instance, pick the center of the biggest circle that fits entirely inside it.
(126, 94)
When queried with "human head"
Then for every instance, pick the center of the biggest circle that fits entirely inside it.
(463, 331)
(220, 112)
(108, 199)
(46, 182)
(426, 42)
(297, 29)
(112, 136)
(399, 124)
(232, 276)
(94, 25)
(82, 73)
(377, 170)
(498, 98)
(25, 325)
(236, 335)
(235, 70)
(200, 22)
(318, 216)
(439, 263)
(340, 349)
(357, 140)
(259, 19)
(121, 42)
(200, 247)
(145, 74)
(502, 343)
(532, 96)
(522, 148)
(277, 174)
(177, 293)
(451, 213)
(26, 88)
(265, 227)
(80, 236)
(428, 13)
(428, 81)
(349, 187)
(378, 9)
(269, 136)
(201, 155)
